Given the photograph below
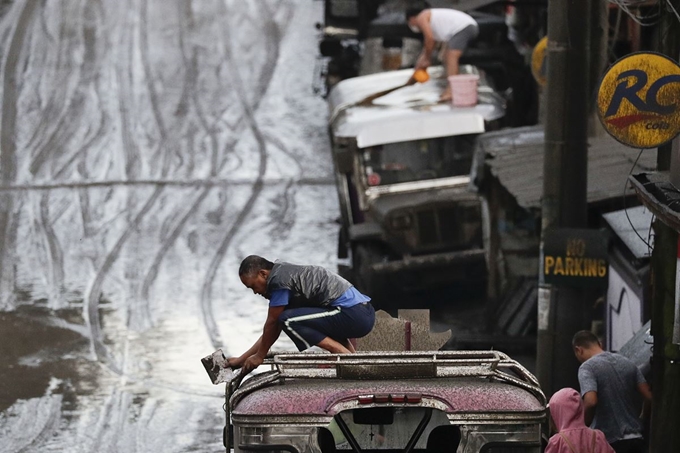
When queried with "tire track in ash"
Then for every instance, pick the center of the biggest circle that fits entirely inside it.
(209, 130)
(188, 96)
(31, 423)
(65, 122)
(126, 79)
(79, 158)
(166, 138)
(217, 164)
(93, 10)
(55, 255)
(108, 427)
(51, 426)
(8, 134)
(87, 76)
(54, 114)
(95, 290)
(284, 214)
(272, 47)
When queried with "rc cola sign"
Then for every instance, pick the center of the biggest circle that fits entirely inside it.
(639, 100)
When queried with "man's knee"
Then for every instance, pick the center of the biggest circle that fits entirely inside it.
(284, 316)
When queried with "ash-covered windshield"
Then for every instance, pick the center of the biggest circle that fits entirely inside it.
(388, 429)
(420, 160)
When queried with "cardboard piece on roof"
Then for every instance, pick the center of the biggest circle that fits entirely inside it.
(410, 331)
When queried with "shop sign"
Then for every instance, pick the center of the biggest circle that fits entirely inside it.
(575, 257)
(538, 62)
(638, 100)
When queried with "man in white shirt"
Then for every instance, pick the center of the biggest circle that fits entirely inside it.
(449, 26)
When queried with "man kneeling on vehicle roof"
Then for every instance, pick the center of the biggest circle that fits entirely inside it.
(314, 306)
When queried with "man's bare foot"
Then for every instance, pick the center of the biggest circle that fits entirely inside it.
(446, 96)
(333, 346)
(348, 344)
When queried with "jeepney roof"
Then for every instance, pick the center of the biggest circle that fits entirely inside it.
(409, 113)
(457, 382)
(459, 395)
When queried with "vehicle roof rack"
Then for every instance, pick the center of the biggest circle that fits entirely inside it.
(389, 365)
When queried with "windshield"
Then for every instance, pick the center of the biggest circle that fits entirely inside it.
(420, 160)
(389, 429)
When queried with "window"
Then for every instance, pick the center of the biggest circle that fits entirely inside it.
(390, 429)
(417, 160)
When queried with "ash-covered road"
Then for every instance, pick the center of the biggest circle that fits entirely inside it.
(146, 147)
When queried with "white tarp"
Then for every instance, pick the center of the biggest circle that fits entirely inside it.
(409, 113)
(624, 311)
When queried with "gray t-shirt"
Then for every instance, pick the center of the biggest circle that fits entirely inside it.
(615, 379)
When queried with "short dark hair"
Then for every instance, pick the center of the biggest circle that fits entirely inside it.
(584, 339)
(253, 264)
(416, 9)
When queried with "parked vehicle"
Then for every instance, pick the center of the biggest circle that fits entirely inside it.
(402, 165)
(361, 37)
(410, 402)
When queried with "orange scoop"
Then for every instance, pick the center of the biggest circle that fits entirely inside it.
(421, 76)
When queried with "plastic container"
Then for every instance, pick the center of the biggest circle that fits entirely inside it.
(391, 59)
(464, 89)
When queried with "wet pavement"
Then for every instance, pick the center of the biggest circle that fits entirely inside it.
(147, 146)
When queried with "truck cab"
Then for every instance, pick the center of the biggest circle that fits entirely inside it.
(388, 402)
(402, 165)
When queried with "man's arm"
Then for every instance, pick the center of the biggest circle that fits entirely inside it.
(237, 362)
(646, 393)
(270, 333)
(423, 22)
(589, 405)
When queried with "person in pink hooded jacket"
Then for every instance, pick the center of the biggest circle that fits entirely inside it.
(573, 436)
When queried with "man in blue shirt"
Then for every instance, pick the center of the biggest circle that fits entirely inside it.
(315, 307)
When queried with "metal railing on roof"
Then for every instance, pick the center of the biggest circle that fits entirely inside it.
(492, 365)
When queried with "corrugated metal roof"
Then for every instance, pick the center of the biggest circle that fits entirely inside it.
(515, 157)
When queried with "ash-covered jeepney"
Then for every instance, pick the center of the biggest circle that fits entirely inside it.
(402, 163)
(387, 402)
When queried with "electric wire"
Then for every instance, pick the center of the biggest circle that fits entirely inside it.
(627, 5)
(673, 8)
(625, 208)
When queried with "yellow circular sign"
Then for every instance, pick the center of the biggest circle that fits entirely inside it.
(639, 100)
(538, 62)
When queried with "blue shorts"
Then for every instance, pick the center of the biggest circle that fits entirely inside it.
(307, 326)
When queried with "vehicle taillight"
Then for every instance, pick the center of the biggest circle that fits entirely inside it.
(366, 399)
(382, 398)
(414, 398)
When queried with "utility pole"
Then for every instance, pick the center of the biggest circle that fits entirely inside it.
(665, 435)
(597, 60)
(668, 39)
(562, 311)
